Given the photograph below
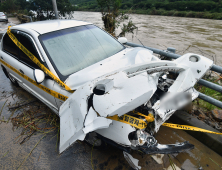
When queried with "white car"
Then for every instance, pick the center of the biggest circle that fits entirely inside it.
(3, 17)
(119, 95)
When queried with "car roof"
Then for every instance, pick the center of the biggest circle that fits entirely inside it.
(43, 27)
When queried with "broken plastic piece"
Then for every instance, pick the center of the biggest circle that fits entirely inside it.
(166, 149)
(132, 161)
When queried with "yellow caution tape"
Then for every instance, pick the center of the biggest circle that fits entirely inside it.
(185, 127)
(149, 118)
(47, 90)
(36, 61)
(135, 122)
(140, 124)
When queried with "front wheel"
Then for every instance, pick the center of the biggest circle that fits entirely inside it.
(12, 79)
(95, 142)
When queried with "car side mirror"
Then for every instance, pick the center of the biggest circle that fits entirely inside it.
(122, 40)
(39, 76)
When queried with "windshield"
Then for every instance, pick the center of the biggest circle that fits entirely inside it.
(74, 49)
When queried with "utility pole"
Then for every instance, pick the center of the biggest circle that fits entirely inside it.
(55, 9)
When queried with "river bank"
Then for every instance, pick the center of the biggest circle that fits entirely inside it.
(162, 12)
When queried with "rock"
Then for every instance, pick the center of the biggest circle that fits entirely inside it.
(217, 114)
(200, 114)
(188, 108)
(202, 117)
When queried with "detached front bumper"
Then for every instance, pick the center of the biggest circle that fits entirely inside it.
(153, 147)
(166, 149)
(157, 149)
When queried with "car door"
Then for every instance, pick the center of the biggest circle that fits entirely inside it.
(26, 67)
(10, 54)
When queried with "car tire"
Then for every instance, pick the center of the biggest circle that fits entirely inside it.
(93, 141)
(12, 79)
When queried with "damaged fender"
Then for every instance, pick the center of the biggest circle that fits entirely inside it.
(122, 91)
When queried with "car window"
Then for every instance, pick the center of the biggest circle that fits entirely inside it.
(74, 49)
(27, 42)
(9, 46)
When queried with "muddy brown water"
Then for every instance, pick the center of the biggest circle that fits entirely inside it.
(80, 156)
(202, 36)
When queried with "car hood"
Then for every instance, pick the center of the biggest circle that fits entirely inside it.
(99, 102)
(127, 57)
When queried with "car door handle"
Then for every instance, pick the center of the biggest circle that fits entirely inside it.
(2, 58)
(21, 71)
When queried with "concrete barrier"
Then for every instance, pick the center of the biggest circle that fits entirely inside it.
(213, 141)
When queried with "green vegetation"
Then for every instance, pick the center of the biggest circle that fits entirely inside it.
(211, 9)
(112, 17)
(40, 6)
(209, 92)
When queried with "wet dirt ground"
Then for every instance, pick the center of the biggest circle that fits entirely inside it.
(81, 156)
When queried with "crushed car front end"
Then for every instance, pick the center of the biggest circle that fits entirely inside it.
(126, 107)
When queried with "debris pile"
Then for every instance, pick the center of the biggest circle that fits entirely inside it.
(34, 117)
(212, 118)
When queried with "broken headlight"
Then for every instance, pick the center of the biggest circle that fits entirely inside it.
(140, 137)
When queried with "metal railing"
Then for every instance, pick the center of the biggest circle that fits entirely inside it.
(201, 81)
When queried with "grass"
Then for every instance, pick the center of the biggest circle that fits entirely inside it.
(33, 118)
(171, 162)
(209, 92)
(37, 118)
(30, 152)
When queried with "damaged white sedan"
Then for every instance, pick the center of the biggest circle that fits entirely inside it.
(121, 95)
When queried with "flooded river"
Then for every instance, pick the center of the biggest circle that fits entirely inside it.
(202, 36)
(80, 156)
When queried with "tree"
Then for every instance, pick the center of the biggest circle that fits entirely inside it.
(9, 6)
(45, 6)
(21, 4)
(112, 17)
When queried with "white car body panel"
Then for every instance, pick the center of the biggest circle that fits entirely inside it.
(50, 25)
(124, 92)
(117, 132)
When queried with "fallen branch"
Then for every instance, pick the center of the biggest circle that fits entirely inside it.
(5, 154)
(22, 105)
(26, 138)
(3, 107)
(30, 152)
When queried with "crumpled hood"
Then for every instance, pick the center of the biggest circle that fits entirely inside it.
(118, 61)
(118, 92)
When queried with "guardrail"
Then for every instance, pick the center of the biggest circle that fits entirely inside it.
(205, 83)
